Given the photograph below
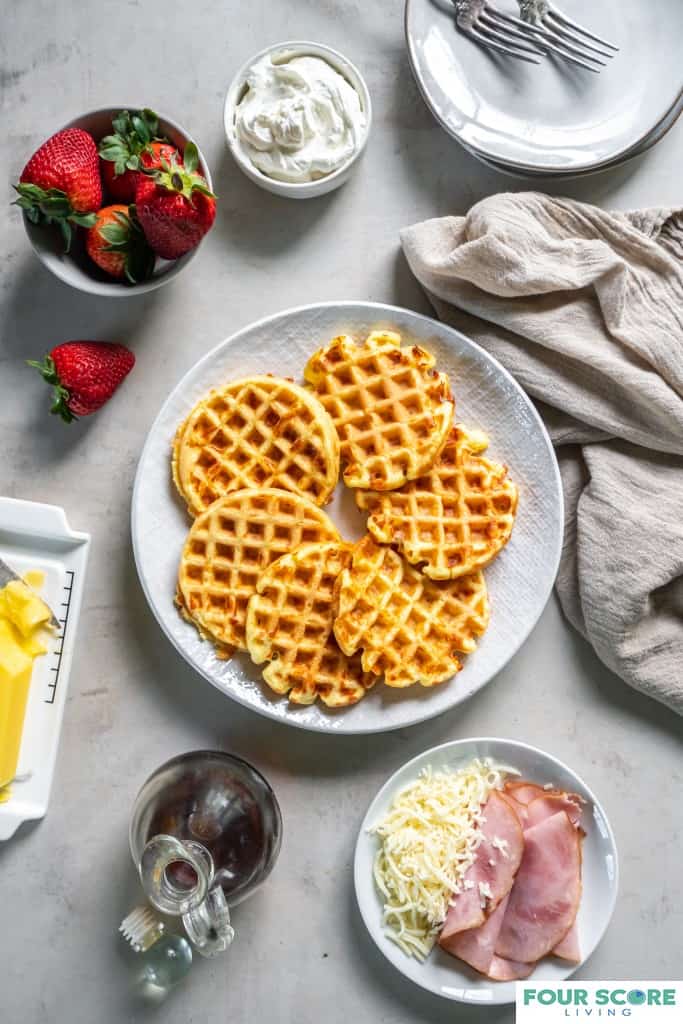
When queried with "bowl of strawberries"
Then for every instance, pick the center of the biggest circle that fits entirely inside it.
(117, 201)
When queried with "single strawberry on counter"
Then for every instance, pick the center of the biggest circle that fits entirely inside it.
(175, 206)
(61, 183)
(117, 245)
(84, 375)
(135, 143)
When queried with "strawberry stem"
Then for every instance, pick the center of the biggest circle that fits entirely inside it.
(183, 178)
(60, 394)
(51, 206)
(132, 136)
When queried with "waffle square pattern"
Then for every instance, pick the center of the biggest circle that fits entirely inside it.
(391, 408)
(408, 627)
(454, 519)
(256, 432)
(289, 626)
(230, 545)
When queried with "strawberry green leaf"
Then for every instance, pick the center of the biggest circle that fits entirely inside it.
(110, 147)
(67, 233)
(121, 123)
(114, 234)
(84, 220)
(141, 129)
(55, 206)
(191, 157)
(152, 121)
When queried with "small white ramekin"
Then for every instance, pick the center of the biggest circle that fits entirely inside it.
(282, 52)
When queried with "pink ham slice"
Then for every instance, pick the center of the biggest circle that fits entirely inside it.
(492, 867)
(545, 806)
(543, 903)
(519, 809)
(524, 792)
(568, 948)
(476, 948)
(538, 810)
(508, 970)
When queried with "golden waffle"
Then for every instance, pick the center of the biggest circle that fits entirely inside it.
(257, 432)
(453, 520)
(392, 410)
(227, 548)
(289, 625)
(407, 626)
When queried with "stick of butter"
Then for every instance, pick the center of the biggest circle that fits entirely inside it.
(23, 620)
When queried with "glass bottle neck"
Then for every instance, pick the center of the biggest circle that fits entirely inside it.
(178, 879)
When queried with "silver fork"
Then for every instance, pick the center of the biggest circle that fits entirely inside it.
(543, 28)
(559, 34)
(503, 33)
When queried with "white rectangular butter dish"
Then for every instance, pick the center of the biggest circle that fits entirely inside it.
(36, 536)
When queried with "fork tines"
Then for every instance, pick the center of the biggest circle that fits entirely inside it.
(542, 29)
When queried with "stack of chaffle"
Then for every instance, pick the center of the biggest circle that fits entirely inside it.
(265, 570)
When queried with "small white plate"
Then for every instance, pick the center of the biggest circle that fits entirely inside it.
(36, 536)
(442, 974)
(550, 117)
(519, 580)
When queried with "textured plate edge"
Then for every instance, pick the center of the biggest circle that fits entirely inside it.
(385, 311)
(453, 744)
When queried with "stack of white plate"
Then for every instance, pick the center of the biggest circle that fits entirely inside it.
(553, 118)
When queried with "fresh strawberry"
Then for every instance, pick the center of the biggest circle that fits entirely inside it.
(84, 375)
(61, 182)
(175, 206)
(134, 143)
(118, 246)
(122, 186)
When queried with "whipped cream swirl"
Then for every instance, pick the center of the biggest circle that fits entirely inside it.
(299, 120)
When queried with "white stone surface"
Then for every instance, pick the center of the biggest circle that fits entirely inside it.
(302, 955)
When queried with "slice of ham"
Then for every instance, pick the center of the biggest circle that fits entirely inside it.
(524, 792)
(568, 948)
(544, 900)
(545, 806)
(493, 868)
(476, 946)
(519, 809)
(508, 970)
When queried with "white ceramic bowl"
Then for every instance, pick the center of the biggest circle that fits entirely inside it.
(76, 268)
(282, 52)
(444, 975)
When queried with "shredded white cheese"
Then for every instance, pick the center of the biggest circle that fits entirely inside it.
(484, 893)
(501, 845)
(429, 838)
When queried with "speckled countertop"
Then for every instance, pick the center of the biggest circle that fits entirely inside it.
(303, 955)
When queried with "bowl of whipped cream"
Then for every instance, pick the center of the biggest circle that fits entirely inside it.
(297, 119)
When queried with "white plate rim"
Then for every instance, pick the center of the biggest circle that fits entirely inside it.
(386, 311)
(419, 760)
(551, 170)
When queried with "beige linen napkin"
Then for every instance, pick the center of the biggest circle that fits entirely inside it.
(585, 308)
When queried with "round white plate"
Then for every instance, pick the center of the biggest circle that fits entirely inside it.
(655, 136)
(442, 974)
(551, 117)
(519, 581)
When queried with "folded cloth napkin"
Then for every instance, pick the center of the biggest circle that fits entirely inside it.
(585, 308)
